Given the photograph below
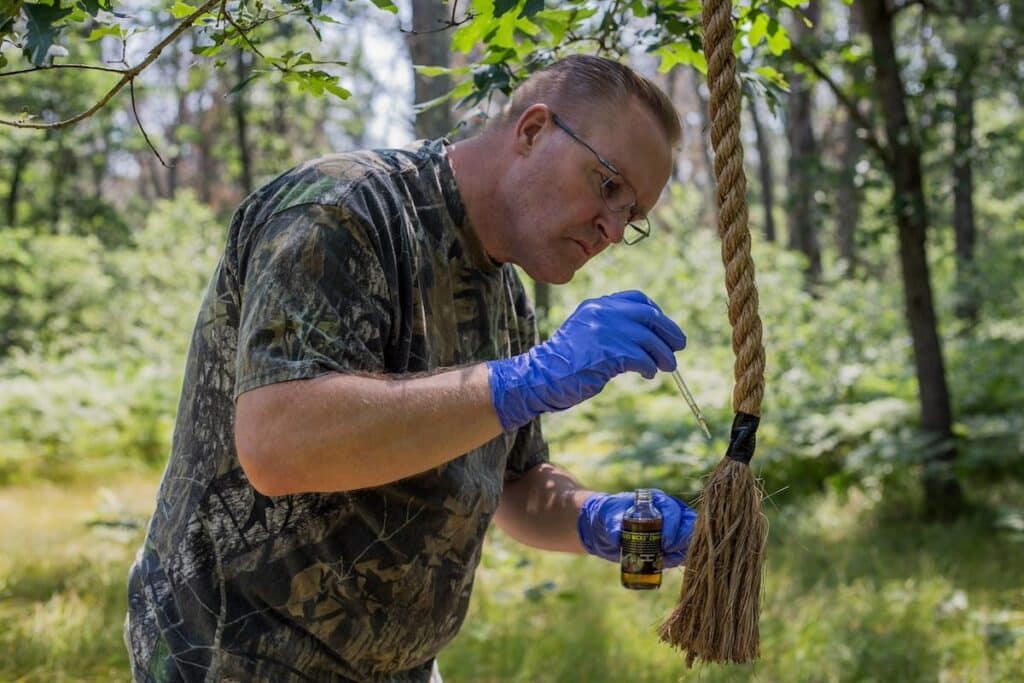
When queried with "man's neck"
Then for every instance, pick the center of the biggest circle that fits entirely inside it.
(472, 161)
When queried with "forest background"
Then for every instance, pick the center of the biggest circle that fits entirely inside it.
(884, 149)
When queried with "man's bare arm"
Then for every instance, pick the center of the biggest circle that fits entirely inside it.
(342, 432)
(540, 509)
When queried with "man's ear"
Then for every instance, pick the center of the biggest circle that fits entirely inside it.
(529, 125)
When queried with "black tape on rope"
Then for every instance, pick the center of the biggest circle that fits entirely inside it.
(743, 438)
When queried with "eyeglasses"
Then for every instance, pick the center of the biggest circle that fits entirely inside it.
(618, 195)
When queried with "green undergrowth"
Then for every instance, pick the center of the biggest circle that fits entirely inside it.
(849, 595)
(853, 592)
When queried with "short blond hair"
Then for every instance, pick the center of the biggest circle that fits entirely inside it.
(585, 80)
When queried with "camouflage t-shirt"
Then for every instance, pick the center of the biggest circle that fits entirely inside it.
(359, 262)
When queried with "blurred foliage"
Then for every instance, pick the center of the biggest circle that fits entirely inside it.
(95, 339)
(94, 342)
(840, 408)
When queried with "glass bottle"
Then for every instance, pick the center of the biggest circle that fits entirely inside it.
(641, 558)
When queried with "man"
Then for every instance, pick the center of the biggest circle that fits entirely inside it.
(363, 390)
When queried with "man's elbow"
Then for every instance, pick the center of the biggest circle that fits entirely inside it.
(257, 459)
(258, 454)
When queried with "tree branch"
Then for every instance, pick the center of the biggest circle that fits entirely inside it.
(47, 67)
(872, 141)
(131, 90)
(245, 36)
(128, 74)
(445, 25)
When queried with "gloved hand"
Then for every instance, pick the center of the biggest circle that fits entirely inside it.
(602, 338)
(600, 525)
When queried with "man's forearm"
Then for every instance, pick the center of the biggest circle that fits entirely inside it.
(342, 432)
(540, 509)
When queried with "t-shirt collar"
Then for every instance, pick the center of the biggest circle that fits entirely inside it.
(457, 210)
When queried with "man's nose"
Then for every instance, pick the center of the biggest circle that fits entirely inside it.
(611, 226)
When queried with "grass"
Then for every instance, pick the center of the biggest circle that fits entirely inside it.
(64, 558)
(847, 598)
(851, 594)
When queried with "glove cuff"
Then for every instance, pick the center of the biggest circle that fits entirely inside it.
(588, 520)
(507, 395)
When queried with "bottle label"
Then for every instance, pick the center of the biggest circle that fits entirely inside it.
(641, 552)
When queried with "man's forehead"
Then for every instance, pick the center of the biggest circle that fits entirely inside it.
(640, 151)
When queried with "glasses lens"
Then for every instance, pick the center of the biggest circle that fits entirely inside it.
(617, 194)
(637, 231)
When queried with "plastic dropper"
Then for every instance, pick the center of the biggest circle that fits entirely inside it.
(688, 397)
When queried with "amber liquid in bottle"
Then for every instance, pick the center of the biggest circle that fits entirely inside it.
(641, 558)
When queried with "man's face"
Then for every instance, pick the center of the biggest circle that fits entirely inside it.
(561, 215)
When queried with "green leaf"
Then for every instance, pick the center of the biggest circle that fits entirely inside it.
(207, 50)
(462, 89)
(316, 83)
(505, 36)
(529, 28)
(531, 8)
(40, 31)
(115, 30)
(772, 76)
(432, 71)
(337, 90)
(556, 22)
(467, 36)
(93, 7)
(385, 5)
(758, 30)
(421, 107)
(681, 53)
(501, 7)
(778, 42)
(242, 84)
(180, 10)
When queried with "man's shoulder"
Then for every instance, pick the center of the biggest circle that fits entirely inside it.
(334, 178)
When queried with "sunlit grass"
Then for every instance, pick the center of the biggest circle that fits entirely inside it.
(851, 594)
(64, 557)
(845, 599)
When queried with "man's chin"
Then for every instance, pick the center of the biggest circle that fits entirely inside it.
(551, 278)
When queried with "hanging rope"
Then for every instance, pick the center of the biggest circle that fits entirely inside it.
(716, 619)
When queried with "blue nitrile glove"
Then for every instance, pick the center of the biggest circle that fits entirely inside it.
(602, 338)
(600, 525)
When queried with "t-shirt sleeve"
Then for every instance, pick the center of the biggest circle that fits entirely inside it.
(314, 299)
(529, 448)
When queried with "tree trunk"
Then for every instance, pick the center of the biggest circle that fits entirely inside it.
(710, 208)
(764, 167)
(541, 303)
(241, 128)
(149, 163)
(804, 165)
(848, 195)
(173, 163)
(429, 47)
(672, 90)
(943, 497)
(99, 161)
(21, 159)
(967, 305)
(61, 168)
